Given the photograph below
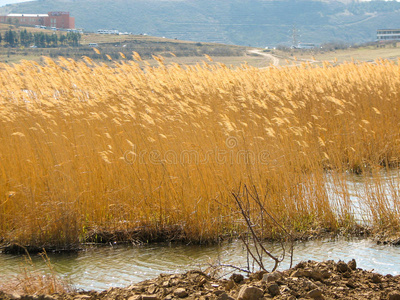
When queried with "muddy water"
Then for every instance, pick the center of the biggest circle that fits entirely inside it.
(117, 266)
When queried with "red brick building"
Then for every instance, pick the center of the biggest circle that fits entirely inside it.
(58, 19)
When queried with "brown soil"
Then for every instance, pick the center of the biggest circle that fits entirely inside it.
(308, 280)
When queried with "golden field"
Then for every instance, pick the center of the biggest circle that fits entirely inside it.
(89, 148)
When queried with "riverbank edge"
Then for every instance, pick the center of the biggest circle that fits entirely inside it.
(307, 280)
(139, 238)
(175, 237)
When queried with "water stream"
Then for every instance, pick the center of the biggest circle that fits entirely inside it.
(119, 266)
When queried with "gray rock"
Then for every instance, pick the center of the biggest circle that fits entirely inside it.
(316, 275)
(309, 285)
(298, 273)
(351, 284)
(181, 293)
(376, 278)
(218, 292)
(315, 294)
(48, 297)
(396, 242)
(30, 297)
(342, 267)
(150, 297)
(202, 282)
(352, 264)
(152, 289)
(274, 276)
(229, 285)
(197, 294)
(326, 273)
(237, 278)
(257, 275)
(133, 287)
(224, 296)
(394, 296)
(273, 289)
(250, 293)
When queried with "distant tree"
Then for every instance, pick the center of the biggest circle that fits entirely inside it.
(334, 46)
(62, 39)
(1, 38)
(47, 40)
(40, 39)
(10, 38)
(36, 39)
(55, 40)
(25, 38)
(73, 38)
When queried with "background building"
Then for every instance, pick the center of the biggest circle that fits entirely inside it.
(387, 34)
(58, 19)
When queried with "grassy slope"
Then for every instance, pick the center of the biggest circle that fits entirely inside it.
(186, 52)
(363, 54)
(366, 53)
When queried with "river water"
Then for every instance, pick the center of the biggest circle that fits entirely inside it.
(120, 266)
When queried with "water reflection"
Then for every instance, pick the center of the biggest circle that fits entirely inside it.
(359, 194)
(101, 268)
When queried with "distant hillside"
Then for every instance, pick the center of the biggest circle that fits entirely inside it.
(248, 22)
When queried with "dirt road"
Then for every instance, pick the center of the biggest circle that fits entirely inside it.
(274, 60)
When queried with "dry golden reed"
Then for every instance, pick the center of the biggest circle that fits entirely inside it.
(87, 146)
(33, 280)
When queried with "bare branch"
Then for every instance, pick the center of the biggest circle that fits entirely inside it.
(243, 200)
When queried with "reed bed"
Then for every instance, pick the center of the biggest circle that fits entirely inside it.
(89, 148)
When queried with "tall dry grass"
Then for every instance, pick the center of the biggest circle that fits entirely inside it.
(32, 280)
(90, 147)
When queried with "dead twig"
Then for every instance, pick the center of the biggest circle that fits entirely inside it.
(257, 250)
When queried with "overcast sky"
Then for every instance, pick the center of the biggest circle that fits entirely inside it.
(4, 2)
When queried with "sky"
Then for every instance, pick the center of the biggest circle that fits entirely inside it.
(4, 2)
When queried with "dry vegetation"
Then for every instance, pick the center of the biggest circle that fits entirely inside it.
(33, 281)
(364, 52)
(88, 148)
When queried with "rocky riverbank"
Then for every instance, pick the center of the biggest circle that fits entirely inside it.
(307, 280)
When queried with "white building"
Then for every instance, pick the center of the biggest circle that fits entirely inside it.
(304, 46)
(107, 31)
(388, 34)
